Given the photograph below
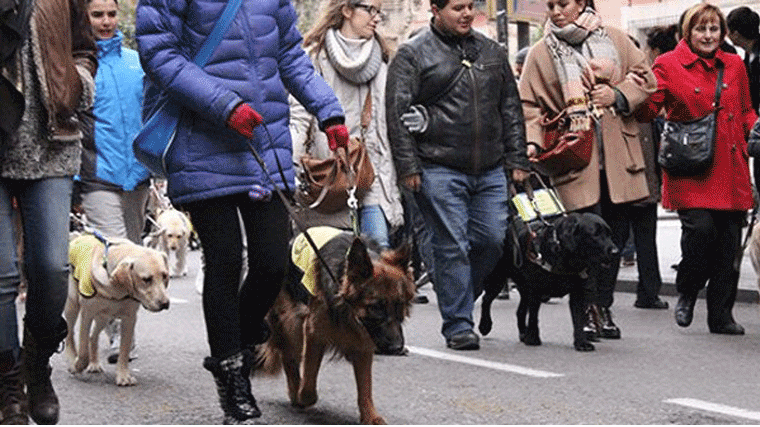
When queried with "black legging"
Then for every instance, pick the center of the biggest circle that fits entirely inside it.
(234, 314)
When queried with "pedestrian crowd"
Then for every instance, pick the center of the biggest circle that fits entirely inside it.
(447, 124)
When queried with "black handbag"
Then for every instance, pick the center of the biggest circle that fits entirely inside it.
(688, 148)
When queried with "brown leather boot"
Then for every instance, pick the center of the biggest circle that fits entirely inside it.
(593, 324)
(38, 348)
(12, 397)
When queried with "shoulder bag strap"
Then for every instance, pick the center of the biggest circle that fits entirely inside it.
(718, 85)
(366, 116)
(213, 40)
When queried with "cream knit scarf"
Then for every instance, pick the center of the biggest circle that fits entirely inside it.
(357, 60)
(583, 55)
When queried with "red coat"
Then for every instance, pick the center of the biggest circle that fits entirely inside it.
(686, 89)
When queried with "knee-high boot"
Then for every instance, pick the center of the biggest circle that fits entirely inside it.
(37, 349)
(12, 397)
(234, 386)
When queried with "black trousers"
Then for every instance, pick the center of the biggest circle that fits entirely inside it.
(710, 241)
(643, 220)
(233, 313)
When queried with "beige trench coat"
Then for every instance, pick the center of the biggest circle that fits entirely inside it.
(541, 94)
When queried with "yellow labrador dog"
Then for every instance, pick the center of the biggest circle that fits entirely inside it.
(109, 281)
(172, 237)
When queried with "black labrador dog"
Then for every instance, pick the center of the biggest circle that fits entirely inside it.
(553, 259)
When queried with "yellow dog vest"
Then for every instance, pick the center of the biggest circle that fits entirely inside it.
(303, 254)
(80, 258)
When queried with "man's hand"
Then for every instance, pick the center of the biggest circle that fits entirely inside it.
(243, 119)
(412, 182)
(416, 119)
(519, 175)
(337, 136)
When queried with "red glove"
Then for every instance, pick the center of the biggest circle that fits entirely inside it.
(243, 119)
(337, 136)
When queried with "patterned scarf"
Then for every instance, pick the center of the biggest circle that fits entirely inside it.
(583, 55)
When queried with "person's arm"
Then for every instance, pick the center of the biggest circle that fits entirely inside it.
(515, 152)
(401, 88)
(158, 29)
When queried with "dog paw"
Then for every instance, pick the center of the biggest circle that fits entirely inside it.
(94, 368)
(125, 379)
(306, 398)
(583, 346)
(79, 365)
(530, 339)
(485, 326)
(374, 420)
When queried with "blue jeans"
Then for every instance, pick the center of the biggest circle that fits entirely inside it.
(467, 217)
(44, 206)
(374, 225)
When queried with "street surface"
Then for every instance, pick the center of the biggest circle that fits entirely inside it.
(657, 373)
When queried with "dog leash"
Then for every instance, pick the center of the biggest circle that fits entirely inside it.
(287, 201)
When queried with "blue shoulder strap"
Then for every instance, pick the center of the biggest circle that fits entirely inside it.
(204, 54)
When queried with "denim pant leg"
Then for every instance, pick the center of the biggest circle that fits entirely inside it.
(374, 225)
(487, 225)
(9, 274)
(446, 202)
(45, 205)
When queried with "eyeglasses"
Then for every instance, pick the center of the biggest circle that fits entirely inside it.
(372, 10)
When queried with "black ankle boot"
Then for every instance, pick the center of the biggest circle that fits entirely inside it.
(12, 397)
(609, 329)
(234, 386)
(43, 403)
(593, 325)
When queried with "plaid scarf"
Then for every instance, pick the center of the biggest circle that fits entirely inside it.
(583, 55)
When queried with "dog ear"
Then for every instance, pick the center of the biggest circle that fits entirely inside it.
(358, 263)
(121, 276)
(401, 257)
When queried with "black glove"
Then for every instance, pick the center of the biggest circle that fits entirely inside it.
(753, 143)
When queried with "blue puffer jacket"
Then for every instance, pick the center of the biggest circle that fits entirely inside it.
(259, 61)
(108, 161)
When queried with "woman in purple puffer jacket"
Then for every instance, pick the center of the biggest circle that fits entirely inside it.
(241, 93)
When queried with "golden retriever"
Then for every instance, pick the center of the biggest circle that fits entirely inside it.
(172, 237)
(121, 277)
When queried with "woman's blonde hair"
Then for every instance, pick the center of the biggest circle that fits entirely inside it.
(332, 18)
(699, 13)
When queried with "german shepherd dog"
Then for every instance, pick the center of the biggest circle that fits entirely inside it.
(357, 317)
(554, 259)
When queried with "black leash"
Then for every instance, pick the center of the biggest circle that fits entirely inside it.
(288, 202)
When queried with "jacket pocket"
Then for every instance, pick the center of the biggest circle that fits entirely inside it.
(635, 158)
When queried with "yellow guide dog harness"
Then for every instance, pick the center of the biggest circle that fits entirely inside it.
(303, 255)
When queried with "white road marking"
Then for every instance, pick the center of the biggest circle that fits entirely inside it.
(716, 407)
(177, 300)
(484, 363)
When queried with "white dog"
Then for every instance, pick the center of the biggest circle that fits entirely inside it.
(107, 283)
(172, 237)
(753, 246)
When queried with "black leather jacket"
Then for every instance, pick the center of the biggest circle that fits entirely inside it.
(476, 125)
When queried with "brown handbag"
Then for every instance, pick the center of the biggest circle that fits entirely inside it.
(325, 183)
(564, 151)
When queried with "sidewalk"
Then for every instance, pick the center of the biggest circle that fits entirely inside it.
(669, 252)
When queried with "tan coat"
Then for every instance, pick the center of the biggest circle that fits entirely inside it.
(541, 93)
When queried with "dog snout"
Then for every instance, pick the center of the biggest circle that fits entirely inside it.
(163, 305)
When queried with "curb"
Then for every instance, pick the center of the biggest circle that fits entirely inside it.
(742, 295)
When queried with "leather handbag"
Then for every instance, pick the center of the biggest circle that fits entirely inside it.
(157, 134)
(324, 184)
(688, 148)
(564, 151)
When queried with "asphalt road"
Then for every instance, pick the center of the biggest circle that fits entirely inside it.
(657, 373)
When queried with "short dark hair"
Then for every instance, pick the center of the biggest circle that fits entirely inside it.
(663, 38)
(439, 3)
(744, 21)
